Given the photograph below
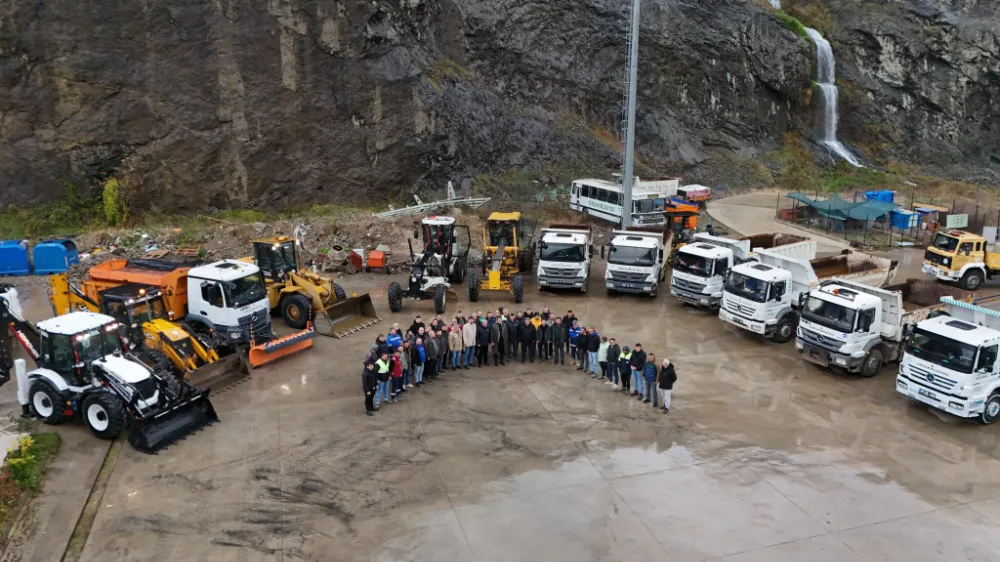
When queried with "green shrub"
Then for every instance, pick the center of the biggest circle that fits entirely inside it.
(26, 459)
(792, 23)
(113, 198)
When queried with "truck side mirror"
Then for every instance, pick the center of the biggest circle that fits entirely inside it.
(661, 254)
(590, 251)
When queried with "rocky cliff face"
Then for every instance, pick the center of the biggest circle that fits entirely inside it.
(265, 102)
(920, 81)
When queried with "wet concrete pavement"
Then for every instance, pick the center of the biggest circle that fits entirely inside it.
(762, 458)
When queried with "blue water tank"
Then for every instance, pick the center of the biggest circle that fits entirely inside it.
(55, 256)
(14, 258)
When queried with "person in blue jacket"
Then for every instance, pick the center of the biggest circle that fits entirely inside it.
(394, 339)
(574, 337)
(649, 372)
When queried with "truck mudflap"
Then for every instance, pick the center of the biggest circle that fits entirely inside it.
(260, 355)
(190, 413)
(346, 316)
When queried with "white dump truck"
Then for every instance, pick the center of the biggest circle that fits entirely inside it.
(762, 295)
(700, 267)
(950, 361)
(637, 260)
(564, 257)
(858, 327)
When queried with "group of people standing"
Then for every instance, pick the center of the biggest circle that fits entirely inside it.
(399, 361)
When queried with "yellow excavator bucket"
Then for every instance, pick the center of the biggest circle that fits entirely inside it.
(221, 374)
(343, 317)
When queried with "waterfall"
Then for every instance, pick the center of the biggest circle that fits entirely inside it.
(826, 78)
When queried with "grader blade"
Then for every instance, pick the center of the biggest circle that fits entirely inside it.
(346, 316)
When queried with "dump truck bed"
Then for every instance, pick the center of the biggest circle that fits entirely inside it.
(790, 245)
(170, 277)
(858, 267)
(908, 302)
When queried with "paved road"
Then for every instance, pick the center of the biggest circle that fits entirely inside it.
(763, 458)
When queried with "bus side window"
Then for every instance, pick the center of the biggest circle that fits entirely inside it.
(576, 189)
(585, 191)
(603, 195)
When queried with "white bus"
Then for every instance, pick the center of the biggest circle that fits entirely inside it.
(603, 199)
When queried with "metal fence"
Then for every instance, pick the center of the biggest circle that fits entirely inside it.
(881, 232)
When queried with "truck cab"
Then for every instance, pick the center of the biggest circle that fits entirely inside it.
(636, 261)
(760, 298)
(960, 257)
(699, 273)
(564, 258)
(229, 297)
(950, 362)
(839, 326)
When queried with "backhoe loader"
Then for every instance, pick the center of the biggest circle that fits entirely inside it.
(301, 295)
(158, 340)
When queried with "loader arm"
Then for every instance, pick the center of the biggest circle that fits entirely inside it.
(310, 289)
(66, 297)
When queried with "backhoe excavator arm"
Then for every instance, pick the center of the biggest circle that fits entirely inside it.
(66, 297)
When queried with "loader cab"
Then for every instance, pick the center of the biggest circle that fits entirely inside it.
(276, 257)
(133, 305)
(72, 341)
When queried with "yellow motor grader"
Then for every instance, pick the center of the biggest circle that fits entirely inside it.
(507, 256)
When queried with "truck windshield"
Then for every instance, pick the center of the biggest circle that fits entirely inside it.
(630, 255)
(244, 291)
(563, 252)
(947, 243)
(695, 265)
(98, 343)
(946, 352)
(829, 314)
(746, 287)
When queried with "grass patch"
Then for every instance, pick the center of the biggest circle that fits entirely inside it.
(71, 214)
(26, 463)
(792, 23)
(445, 69)
(815, 15)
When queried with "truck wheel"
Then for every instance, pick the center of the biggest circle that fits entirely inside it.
(784, 331)
(872, 364)
(47, 403)
(972, 280)
(518, 288)
(473, 287)
(395, 297)
(295, 311)
(338, 292)
(461, 269)
(991, 410)
(104, 414)
(585, 286)
(440, 298)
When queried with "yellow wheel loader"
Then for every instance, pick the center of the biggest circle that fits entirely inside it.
(301, 296)
(159, 341)
(508, 256)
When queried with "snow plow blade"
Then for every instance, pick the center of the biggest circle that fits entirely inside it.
(280, 348)
(219, 375)
(158, 430)
(346, 316)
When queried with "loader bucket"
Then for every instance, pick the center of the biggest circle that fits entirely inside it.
(158, 431)
(226, 372)
(346, 316)
(280, 348)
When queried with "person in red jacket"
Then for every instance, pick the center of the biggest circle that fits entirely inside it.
(397, 378)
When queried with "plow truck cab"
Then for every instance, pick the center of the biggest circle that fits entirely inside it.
(230, 299)
(961, 257)
(637, 261)
(950, 361)
(858, 327)
(564, 257)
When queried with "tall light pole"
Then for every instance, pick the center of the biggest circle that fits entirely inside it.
(632, 83)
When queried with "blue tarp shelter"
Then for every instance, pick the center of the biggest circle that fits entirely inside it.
(837, 208)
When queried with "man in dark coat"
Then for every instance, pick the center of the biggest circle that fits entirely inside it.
(527, 337)
(417, 325)
(544, 339)
(638, 362)
(614, 352)
(559, 339)
(482, 344)
(369, 383)
(567, 323)
(497, 342)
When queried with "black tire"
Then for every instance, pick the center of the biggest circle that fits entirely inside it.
(518, 285)
(395, 297)
(972, 280)
(525, 260)
(440, 298)
(463, 269)
(174, 388)
(872, 364)
(473, 286)
(295, 310)
(368, 269)
(991, 410)
(104, 414)
(47, 403)
(338, 292)
(785, 330)
(388, 269)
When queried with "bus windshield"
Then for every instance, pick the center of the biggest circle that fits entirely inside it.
(573, 253)
(649, 205)
(630, 255)
(245, 290)
(946, 352)
(947, 243)
(695, 265)
(830, 315)
(746, 287)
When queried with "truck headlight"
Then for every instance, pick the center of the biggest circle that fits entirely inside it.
(234, 335)
(840, 361)
(901, 384)
(956, 405)
(945, 261)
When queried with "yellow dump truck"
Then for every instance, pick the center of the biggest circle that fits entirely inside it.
(957, 256)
